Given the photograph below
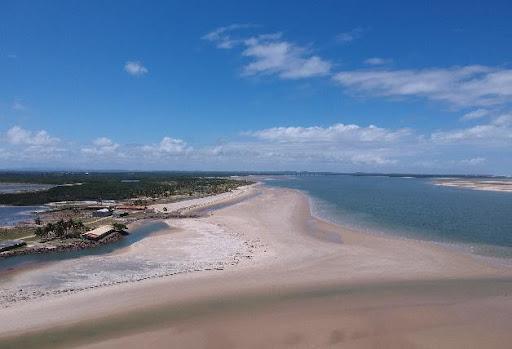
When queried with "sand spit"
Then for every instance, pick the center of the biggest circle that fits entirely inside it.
(205, 246)
(477, 184)
(185, 206)
(298, 290)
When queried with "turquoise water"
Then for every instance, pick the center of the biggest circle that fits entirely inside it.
(411, 207)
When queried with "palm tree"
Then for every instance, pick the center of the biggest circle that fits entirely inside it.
(50, 227)
(60, 228)
(40, 232)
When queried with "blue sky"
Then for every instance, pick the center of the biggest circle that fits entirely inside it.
(332, 85)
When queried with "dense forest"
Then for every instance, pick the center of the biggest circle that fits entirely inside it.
(113, 185)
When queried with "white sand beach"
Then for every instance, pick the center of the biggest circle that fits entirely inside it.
(287, 280)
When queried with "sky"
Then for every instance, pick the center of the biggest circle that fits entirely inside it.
(372, 86)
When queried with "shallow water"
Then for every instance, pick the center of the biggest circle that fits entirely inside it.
(10, 215)
(412, 207)
(136, 234)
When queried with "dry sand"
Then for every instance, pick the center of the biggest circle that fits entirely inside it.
(307, 284)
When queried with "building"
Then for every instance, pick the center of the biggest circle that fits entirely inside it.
(99, 232)
(118, 213)
(104, 212)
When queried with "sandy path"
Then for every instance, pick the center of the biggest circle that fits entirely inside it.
(309, 284)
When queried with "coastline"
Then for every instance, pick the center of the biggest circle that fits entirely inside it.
(292, 253)
(150, 252)
(179, 209)
(487, 252)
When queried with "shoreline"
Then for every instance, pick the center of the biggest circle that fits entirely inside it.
(153, 241)
(179, 209)
(465, 248)
(286, 258)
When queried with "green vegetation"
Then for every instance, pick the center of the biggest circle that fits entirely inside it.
(112, 186)
(61, 229)
(119, 226)
(17, 233)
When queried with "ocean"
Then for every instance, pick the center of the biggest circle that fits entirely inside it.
(412, 208)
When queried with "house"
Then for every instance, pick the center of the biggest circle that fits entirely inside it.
(104, 212)
(99, 232)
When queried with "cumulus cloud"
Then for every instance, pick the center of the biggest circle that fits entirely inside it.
(135, 68)
(20, 136)
(293, 154)
(269, 54)
(338, 147)
(336, 144)
(334, 133)
(467, 86)
(498, 131)
(101, 146)
(168, 146)
(28, 147)
(287, 60)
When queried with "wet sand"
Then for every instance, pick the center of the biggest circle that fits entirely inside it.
(308, 283)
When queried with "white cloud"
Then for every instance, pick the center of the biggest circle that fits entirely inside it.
(168, 146)
(334, 133)
(458, 86)
(270, 54)
(101, 146)
(504, 120)
(473, 161)
(496, 132)
(221, 37)
(283, 58)
(345, 145)
(28, 147)
(135, 68)
(475, 114)
(377, 61)
(350, 36)
(339, 147)
(19, 136)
